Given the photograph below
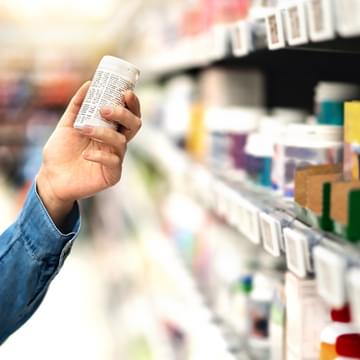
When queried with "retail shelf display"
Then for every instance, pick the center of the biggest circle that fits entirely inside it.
(298, 24)
(264, 218)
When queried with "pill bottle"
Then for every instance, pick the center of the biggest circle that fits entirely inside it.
(329, 101)
(259, 316)
(112, 78)
(260, 145)
(340, 325)
(228, 129)
(301, 145)
(348, 347)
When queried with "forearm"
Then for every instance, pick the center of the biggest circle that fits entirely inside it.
(32, 251)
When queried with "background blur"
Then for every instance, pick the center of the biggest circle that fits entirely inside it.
(125, 293)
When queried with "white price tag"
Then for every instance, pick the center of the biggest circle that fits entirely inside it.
(241, 38)
(348, 17)
(275, 31)
(251, 225)
(271, 234)
(297, 252)
(330, 276)
(296, 25)
(321, 19)
(354, 294)
(219, 190)
(220, 42)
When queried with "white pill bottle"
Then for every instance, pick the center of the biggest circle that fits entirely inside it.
(112, 78)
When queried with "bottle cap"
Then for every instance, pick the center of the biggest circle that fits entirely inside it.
(348, 345)
(341, 315)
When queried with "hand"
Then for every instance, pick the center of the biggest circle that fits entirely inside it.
(79, 163)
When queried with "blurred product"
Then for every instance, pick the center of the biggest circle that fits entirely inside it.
(341, 325)
(305, 318)
(260, 145)
(313, 193)
(352, 141)
(228, 129)
(111, 80)
(259, 312)
(301, 145)
(345, 205)
(179, 117)
(329, 101)
(223, 87)
(348, 347)
(277, 323)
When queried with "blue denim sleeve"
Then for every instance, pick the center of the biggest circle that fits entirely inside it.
(32, 252)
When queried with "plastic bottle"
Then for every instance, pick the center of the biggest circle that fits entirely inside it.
(340, 325)
(112, 78)
(259, 310)
(329, 99)
(348, 347)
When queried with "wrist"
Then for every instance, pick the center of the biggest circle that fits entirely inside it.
(57, 208)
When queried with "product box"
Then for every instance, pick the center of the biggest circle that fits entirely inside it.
(312, 194)
(345, 209)
(352, 141)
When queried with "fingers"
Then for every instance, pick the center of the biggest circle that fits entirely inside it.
(74, 105)
(105, 158)
(107, 136)
(130, 122)
(132, 103)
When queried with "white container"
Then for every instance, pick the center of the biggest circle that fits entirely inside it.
(112, 78)
(300, 145)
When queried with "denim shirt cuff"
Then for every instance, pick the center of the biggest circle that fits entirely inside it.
(43, 238)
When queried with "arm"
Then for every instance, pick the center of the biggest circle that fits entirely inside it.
(32, 251)
(76, 164)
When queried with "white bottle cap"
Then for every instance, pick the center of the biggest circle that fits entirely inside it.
(121, 67)
(335, 91)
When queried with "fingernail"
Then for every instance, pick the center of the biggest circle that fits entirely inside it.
(88, 130)
(107, 110)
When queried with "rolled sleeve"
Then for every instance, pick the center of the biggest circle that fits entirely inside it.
(44, 239)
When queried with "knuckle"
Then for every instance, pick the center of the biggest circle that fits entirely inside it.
(138, 123)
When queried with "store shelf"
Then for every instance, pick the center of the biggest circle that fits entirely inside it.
(259, 215)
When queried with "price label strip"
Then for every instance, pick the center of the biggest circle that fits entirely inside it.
(275, 32)
(321, 19)
(271, 233)
(296, 23)
(353, 283)
(330, 270)
(241, 38)
(298, 245)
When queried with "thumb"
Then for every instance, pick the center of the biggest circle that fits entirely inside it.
(73, 108)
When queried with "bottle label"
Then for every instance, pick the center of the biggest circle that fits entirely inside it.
(107, 89)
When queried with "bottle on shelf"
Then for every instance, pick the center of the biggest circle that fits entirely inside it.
(340, 326)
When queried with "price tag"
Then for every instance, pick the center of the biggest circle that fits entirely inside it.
(354, 294)
(241, 38)
(275, 32)
(271, 234)
(251, 225)
(296, 25)
(321, 19)
(347, 17)
(330, 276)
(220, 201)
(220, 42)
(297, 253)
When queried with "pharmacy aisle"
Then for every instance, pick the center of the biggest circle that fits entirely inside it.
(234, 232)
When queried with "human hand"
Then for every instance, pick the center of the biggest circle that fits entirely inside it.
(79, 163)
